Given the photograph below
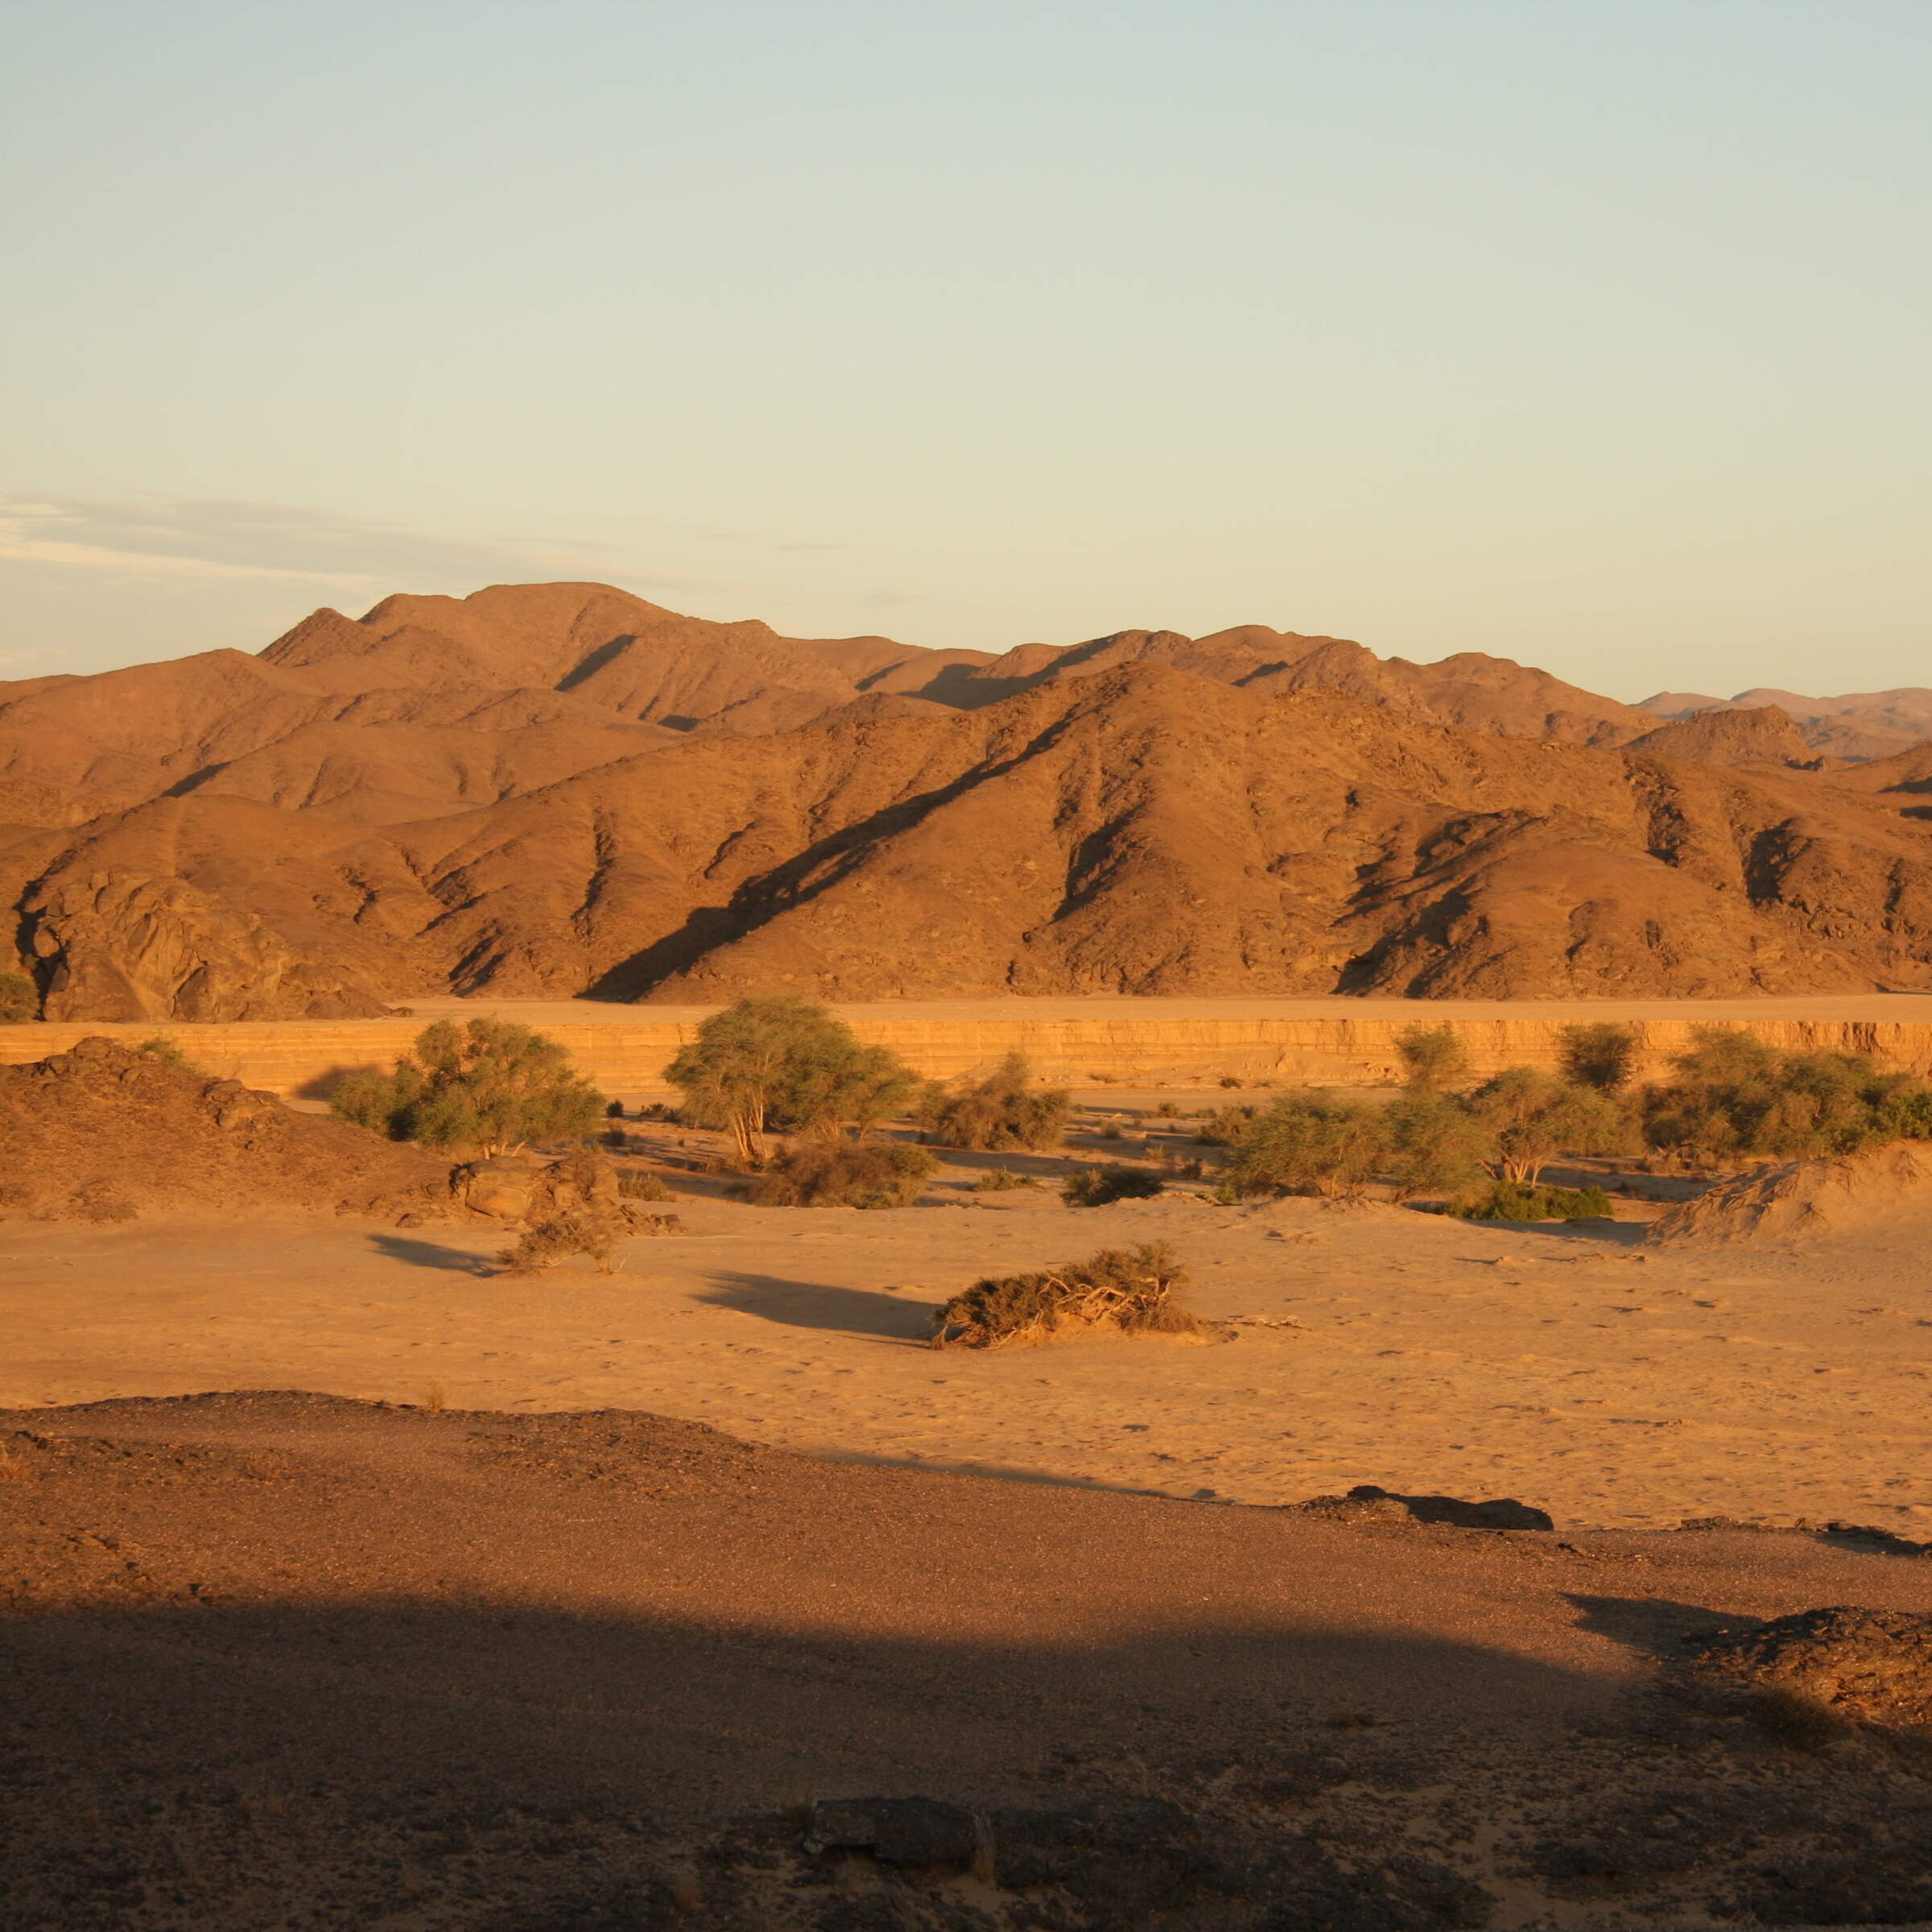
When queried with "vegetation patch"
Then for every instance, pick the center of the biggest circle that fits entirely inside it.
(783, 1064)
(19, 999)
(843, 1174)
(488, 1084)
(1004, 1112)
(1731, 1094)
(561, 1237)
(1135, 1291)
(1511, 1201)
(1002, 1180)
(1100, 1186)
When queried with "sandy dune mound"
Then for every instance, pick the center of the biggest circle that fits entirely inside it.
(1883, 1189)
(102, 1133)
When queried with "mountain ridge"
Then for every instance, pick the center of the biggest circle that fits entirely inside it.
(547, 791)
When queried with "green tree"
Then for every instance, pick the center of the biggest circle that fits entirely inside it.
(1436, 1144)
(1535, 1116)
(1600, 1056)
(1733, 1096)
(1000, 1113)
(488, 1084)
(783, 1063)
(1432, 1057)
(19, 999)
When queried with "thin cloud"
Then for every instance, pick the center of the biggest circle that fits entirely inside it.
(221, 540)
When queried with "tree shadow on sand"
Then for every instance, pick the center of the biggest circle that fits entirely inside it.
(429, 1254)
(891, 1318)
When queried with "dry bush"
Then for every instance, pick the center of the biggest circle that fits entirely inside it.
(634, 1185)
(1100, 1186)
(999, 1180)
(1002, 1111)
(1129, 1291)
(843, 1174)
(555, 1240)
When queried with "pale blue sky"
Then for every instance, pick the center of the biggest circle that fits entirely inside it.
(1591, 334)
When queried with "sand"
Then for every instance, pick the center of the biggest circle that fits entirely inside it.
(1572, 1368)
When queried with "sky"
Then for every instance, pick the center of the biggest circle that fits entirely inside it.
(1592, 333)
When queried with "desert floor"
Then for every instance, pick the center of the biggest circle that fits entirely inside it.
(1570, 1367)
(460, 1657)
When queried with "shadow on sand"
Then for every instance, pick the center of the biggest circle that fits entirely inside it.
(429, 1254)
(817, 1305)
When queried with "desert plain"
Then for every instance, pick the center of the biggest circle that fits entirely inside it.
(359, 1582)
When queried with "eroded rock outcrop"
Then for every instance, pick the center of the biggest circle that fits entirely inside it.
(133, 945)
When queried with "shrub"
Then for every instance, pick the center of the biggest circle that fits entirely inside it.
(1309, 1144)
(1098, 1187)
(488, 1084)
(19, 999)
(843, 1174)
(1002, 1112)
(557, 1239)
(1226, 1127)
(1511, 1201)
(1432, 1057)
(1000, 1180)
(1131, 1291)
(1229, 1080)
(1601, 1055)
(1732, 1095)
(634, 1184)
(162, 1047)
(1167, 1111)
(781, 1063)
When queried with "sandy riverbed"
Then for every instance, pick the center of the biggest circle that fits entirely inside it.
(1575, 1370)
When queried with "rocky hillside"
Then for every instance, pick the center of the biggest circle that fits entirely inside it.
(555, 789)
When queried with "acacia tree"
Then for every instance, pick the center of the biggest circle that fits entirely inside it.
(1535, 1116)
(488, 1084)
(783, 1062)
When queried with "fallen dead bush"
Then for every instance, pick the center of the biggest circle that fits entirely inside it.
(559, 1237)
(1138, 1291)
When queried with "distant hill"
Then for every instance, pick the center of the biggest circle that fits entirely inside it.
(1861, 725)
(556, 789)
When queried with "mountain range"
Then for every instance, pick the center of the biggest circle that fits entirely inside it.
(552, 789)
